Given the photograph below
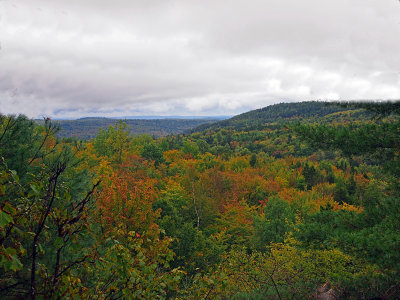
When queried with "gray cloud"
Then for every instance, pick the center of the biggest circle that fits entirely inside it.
(97, 57)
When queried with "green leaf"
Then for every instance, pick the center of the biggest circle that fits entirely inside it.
(14, 173)
(67, 197)
(59, 242)
(40, 248)
(10, 260)
(22, 250)
(5, 219)
(14, 263)
(8, 208)
(2, 189)
(35, 189)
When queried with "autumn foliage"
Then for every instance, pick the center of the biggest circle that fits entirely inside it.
(251, 211)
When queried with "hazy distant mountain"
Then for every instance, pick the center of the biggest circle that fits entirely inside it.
(177, 117)
(87, 128)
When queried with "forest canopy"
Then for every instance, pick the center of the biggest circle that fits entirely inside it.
(292, 201)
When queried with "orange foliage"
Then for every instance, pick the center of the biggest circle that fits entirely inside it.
(361, 180)
(126, 197)
(273, 186)
(290, 194)
(239, 213)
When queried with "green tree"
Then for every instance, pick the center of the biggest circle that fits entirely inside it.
(153, 152)
(311, 175)
(113, 142)
(340, 193)
(253, 160)
(277, 221)
(43, 212)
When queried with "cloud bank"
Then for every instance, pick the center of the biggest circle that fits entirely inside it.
(186, 57)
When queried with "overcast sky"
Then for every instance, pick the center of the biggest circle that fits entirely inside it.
(77, 58)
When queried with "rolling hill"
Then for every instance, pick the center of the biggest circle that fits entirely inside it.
(284, 112)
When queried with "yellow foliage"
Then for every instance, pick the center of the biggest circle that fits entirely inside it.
(349, 207)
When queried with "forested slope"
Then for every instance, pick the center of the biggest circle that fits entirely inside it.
(285, 112)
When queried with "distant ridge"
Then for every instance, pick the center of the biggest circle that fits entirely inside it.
(151, 118)
(176, 117)
(87, 128)
(278, 113)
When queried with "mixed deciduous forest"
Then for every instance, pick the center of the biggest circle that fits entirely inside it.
(293, 201)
